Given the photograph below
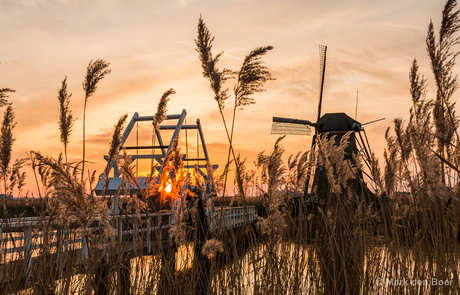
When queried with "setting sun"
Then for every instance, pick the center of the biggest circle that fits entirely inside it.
(168, 188)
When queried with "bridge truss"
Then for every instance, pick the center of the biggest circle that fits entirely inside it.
(159, 151)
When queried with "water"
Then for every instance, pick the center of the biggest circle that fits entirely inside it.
(287, 268)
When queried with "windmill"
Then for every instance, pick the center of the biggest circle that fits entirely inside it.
(329, 124)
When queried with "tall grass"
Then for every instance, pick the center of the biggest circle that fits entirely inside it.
(65, 115)
(250, 79)
(405, 240)
(95, 72)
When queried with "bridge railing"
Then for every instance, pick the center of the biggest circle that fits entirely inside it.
(232, 217)
(23, 238)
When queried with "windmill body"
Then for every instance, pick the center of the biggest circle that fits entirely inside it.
(329, 124)
(338, 124)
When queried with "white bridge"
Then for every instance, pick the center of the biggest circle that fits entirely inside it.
(27, 239)
(22, 236)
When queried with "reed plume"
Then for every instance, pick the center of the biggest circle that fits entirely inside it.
(442, 62)
(331, 156)
(3, 96)
(246, 179)
(272, 167)
(114, 150)
(212, 247)
(172, 172)
(251, 77)
(66, 120)
(297, 168)
(6, 144)
(116, 142)
(128, 175)
(95, 72)
(219, 179)
(70, 197)
(208, 62)
(158, 118)
(160, 115)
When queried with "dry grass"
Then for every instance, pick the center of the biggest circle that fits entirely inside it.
(405, 240)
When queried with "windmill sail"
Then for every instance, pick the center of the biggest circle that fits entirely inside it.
(291, 126)
(322, 55)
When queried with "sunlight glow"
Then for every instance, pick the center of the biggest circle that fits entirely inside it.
(168, 188)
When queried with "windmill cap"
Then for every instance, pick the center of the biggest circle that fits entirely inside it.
(337, 122)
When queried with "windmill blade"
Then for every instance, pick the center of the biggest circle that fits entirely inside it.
(373, 121)
(322, 55)
(291, 126)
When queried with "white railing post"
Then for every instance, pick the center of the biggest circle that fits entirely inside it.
(106, 239)
(237, 217)
(66, 239)
(160, 219)
(115, 210)
(1, 243)
(227, 217)
(136, 243)
(120, 230)
(169, 226)
(240, 215)
(27, 252)
(59, 245)
(149, 234)
(84, 250)
(44, 239)
(237, 211)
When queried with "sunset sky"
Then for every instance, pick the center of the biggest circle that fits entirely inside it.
(150, 47)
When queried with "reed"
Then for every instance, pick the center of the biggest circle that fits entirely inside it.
(95, 72)
(405, 240)
(3, 96)
(66, 119)
(250, 79)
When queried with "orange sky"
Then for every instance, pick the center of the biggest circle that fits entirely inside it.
(150, 45)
